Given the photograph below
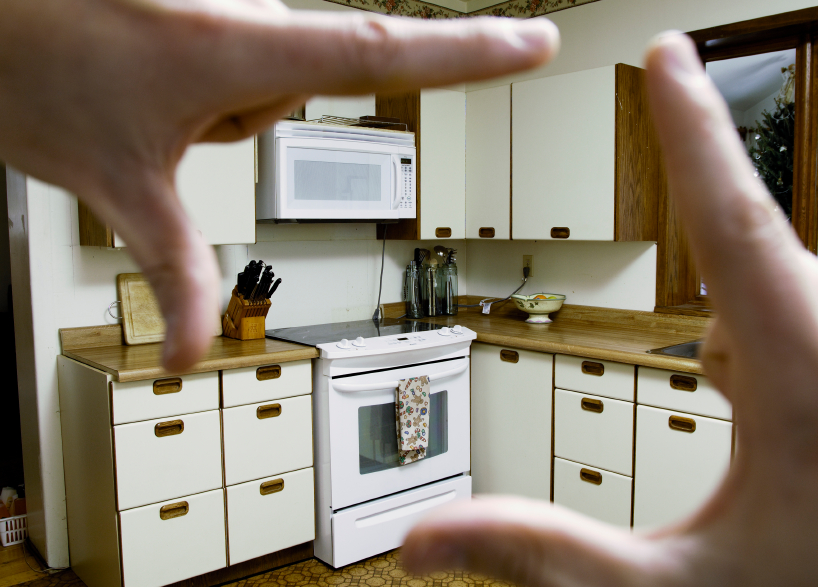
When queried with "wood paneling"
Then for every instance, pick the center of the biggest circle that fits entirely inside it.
(640, 178)
(93, 232)
(135, 363)
(405, 107)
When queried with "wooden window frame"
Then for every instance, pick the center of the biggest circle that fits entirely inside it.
(677, 280)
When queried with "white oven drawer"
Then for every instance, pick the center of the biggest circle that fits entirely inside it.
(271, 514)
(594, 430)
(167, 542)
(159, 398)
(380, 525)
(268, 382)
(267, 439)
(164, 459)
(604, 378)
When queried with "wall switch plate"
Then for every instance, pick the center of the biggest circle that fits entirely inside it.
(527, 262)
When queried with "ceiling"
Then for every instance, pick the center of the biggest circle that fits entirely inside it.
(746, 81)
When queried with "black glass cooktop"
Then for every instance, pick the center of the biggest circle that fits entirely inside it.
(322, 333)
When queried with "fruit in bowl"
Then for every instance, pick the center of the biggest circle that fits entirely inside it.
(539, 306)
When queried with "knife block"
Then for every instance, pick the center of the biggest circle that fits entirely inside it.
(244, 320)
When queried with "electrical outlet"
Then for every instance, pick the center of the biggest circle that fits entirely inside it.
(527, 262)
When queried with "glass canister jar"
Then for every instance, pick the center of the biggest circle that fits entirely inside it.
(448, 289)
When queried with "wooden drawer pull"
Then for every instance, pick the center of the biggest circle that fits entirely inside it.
(174, 510)
(683, 383)
(443, 232)
(486, 232)
(165, 386)
(509, 356)
(590, 476)
(170, 428)
(268, 411)
(560, 232)
(591, 368)
(682, 424)
(268, 372)
(273, 486)
(592, 405)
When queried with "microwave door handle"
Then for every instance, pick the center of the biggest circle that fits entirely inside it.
(395, 183)
(352, 387)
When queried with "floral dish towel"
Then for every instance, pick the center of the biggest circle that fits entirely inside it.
(412, 413)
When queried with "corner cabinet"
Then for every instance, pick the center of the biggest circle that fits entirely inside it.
(488, 163)
(216, 185)
(438, 119)
(585, 159)
(174, 478)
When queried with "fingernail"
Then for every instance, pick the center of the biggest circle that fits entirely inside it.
(678, 51)
(436, 557)
(538, 35)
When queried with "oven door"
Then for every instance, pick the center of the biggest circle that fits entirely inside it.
(363, 431)
(334, 179)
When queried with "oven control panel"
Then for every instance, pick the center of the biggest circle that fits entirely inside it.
(395, 343)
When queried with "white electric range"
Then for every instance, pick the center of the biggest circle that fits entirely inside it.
(365, 502)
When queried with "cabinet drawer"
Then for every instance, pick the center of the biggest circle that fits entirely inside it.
(268, 382)
(267, 439)
(596, 493)
(167, 542)
(594, 430)
(268, 515)
(159, 398)
(164, 459)
(681, 391)
(676, 470)
(604, 378)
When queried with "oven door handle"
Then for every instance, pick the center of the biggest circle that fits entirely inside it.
(350, 387)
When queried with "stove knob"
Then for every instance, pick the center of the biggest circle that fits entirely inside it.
(457, 329)
(445, 331)
(344, 344)
(359, 341)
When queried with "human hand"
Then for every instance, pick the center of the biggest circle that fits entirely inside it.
(761, 526)
(102, 97)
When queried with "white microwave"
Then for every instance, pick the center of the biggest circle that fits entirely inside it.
(322, 172)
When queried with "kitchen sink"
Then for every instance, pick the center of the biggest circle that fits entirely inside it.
(689, 350)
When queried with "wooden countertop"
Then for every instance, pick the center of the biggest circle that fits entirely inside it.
(135, 363)
(598, 333)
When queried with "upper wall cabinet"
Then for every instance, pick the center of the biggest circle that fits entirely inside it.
(488, 163)
(216, 184)
(586, 164)
(438, 119)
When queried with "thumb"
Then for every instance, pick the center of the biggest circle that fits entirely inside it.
(527, 542)
(174, 257)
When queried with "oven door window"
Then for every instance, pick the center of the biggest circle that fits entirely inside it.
(378, 434)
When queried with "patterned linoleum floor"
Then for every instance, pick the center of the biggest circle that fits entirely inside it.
(380, 571)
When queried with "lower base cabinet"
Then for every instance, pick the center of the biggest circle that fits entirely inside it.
(596, 493)
(270, 514)
(166, 542)
(681, 459)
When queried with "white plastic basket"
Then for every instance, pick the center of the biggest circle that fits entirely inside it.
(13, 530)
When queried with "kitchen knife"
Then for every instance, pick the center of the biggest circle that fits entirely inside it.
(274, 288)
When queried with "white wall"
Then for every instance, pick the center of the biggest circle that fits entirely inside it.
(59, 284)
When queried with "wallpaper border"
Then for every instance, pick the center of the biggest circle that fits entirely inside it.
(419, 9)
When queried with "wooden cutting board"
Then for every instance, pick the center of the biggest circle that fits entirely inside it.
(142, 320)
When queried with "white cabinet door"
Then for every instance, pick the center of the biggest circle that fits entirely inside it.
(167, 542)
(488, 163)
(270, 514)
(677, 466)
(596, 493)
(511, 421)
(564, 150)
(442, 162)
(216, 184)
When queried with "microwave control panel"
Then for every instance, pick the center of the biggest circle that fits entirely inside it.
(406, 205)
